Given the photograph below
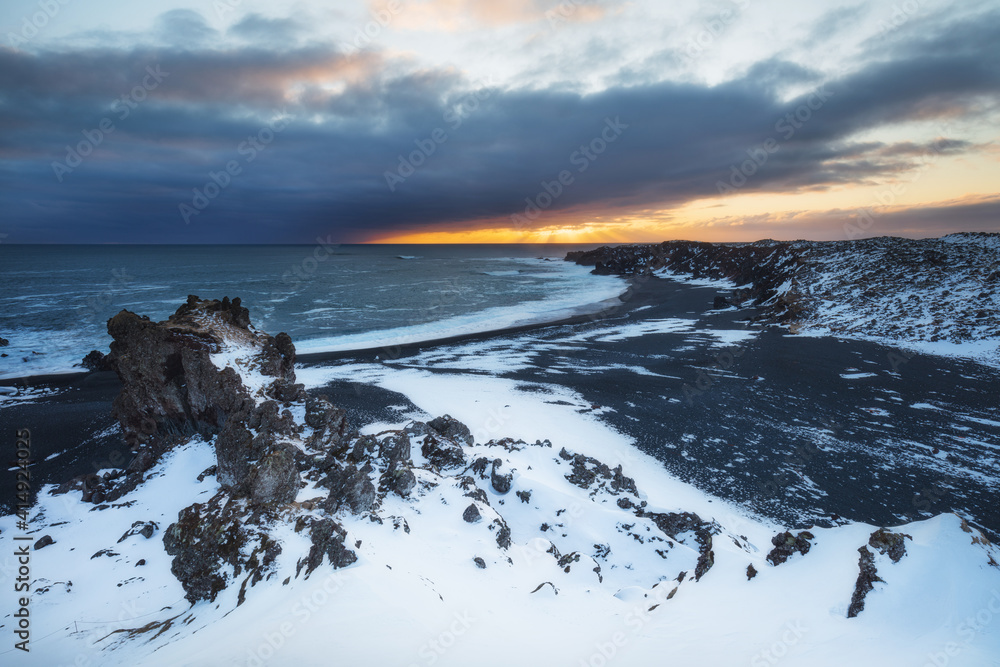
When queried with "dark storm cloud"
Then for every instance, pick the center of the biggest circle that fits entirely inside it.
(351, 117)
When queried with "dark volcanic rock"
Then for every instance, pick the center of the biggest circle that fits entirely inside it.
(207, 540)
(97, 361)
(4, 342)
(329, 424)
(172, 389)
(400, 480)
(501, 482)
(144, 528)
(893, 544)
(452, 429)
(395, 449)
(867, 576)
(471, 514)
(674, 524)
(43, 541)
(588, 471)
(274, 478)
(503, 533)
(350, 487)
(442, 453)
(786, 544)
(751, 572)
(327, 540)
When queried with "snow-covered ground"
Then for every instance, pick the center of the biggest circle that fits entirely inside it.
(416, 597)
(929, 296)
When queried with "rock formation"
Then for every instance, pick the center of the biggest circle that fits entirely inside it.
(911, 289)
(283, 457)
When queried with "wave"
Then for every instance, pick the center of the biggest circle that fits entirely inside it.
(586, 295)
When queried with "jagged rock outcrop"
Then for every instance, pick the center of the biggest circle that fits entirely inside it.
(588, 471)
(328, 538)
(216, 542)
(283, 456)
(786, 544)
(442, 452)
(908, 289)
(889, 543)
(452, 429)
(178, 380)
(350, 487)
(675, 524)
(867, 577)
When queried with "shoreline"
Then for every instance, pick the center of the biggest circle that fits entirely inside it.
(613, 306)
(684, 403)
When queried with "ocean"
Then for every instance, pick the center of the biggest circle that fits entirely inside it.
(55, 300)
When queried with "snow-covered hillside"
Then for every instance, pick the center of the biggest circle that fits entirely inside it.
(517, 530)
(931, 295)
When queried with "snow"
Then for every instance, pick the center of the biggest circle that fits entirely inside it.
(415, 596)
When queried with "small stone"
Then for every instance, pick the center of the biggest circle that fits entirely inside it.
(471, 514)
(480, 563)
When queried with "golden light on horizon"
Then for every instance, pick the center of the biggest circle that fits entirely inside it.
(741, 216)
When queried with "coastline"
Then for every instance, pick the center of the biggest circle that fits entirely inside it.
(716, 401)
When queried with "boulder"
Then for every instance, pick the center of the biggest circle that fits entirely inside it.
(786, 544)
(145, 528)
(452, 429)
(97, 361)
(350, 487)
(442, 453)
(893, 544)
(471, 514)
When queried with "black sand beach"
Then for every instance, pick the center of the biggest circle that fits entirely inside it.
(804, 430)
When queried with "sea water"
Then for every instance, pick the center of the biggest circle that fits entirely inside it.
(55, 300)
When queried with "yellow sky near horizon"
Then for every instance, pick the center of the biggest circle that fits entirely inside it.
(742, 216)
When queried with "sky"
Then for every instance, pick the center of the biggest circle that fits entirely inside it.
(476, 121)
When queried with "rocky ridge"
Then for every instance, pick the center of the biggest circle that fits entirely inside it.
(926, 290)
